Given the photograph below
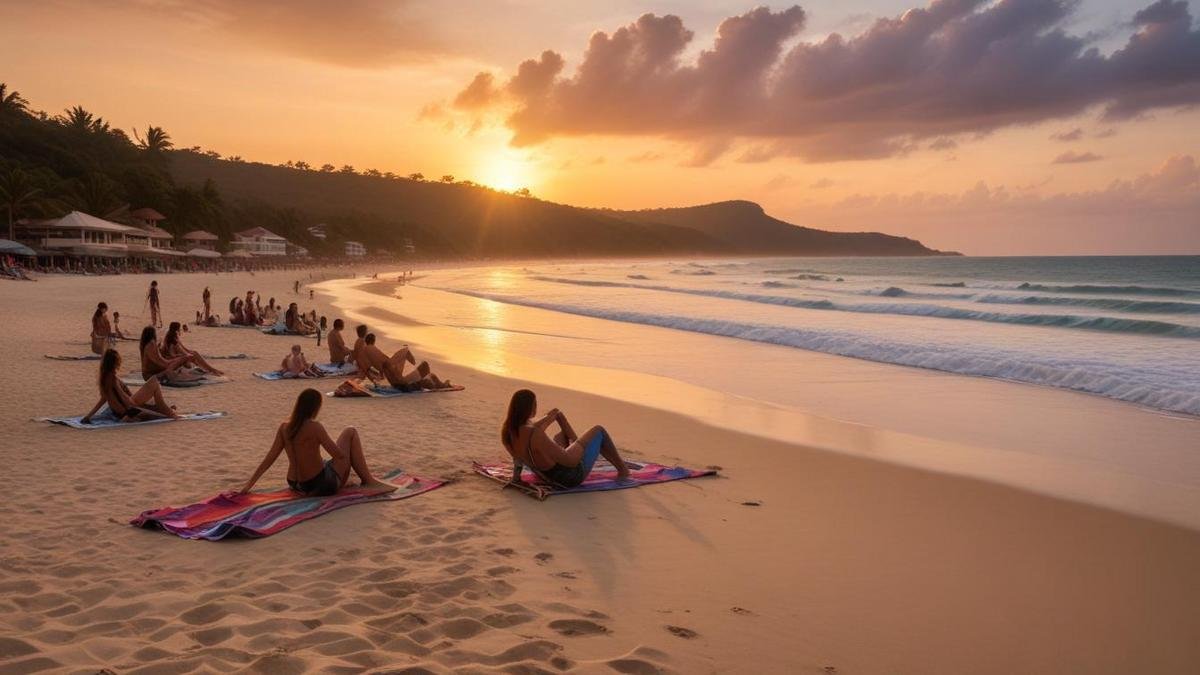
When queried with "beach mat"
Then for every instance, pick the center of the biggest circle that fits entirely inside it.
(327, 370)
(137, 381)
(105, 420)
(228, 357)
(261, 514)
(67, 357)
(602, 478)
(273, 331)
(391, 392)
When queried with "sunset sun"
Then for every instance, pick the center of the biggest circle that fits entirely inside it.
(505, 171)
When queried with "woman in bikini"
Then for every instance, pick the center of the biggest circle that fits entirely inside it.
(564, 459)
(147, 403)
(102, 336)
(173, 347)
(154, 364)
(303, 438)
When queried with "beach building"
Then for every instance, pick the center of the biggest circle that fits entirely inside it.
(146, 218)
(199, 239)
(355, 249)
(259, 241)
(82, 237)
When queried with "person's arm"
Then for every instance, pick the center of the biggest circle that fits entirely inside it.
(272, 455)
(87, 419)
(326, 442)
(546, 420)
(568, 432)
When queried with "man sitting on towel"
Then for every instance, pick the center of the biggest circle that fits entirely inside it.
(338, 353)
(375, 365)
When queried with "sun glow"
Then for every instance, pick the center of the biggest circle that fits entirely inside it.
(505, 171)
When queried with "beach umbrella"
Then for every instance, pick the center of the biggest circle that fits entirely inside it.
(15, 248)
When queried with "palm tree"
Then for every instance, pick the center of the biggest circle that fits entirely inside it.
(448, 178)
(374, 173)
(346, 168)
(83, 121)
(11, 101)
(96, 194)
(156, 141)
(302, 165)
(416, 176)
(327, 168)
(17, 195)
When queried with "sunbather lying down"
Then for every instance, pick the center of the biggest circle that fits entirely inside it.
(147, 403)
(303, 438)
(566, 459)
(376, 366)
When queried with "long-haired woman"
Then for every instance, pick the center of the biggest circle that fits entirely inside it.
(102, 337)
(154, 364)
(303, 438)
(173, 347)
(565, 459)
(147, 403)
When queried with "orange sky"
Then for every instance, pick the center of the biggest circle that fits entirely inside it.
(372, 84)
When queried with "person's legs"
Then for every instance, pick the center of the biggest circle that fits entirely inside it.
(596, 441)
(152, 391)
(199, 361)
(351, 444)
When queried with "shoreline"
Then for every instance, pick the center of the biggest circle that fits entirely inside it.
(847, 562)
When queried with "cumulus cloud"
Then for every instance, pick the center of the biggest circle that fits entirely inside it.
(1072, 157)
(953, 67)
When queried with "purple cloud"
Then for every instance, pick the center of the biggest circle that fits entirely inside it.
(954, 67)
(1072, 157)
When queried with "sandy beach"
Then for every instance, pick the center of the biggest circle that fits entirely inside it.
(793, 560)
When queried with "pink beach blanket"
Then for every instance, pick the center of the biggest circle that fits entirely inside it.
(261, 514)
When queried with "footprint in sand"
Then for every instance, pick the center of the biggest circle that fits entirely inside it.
(741, 610)
(635, 667)
(543, 558)
(680, 631)
(577, 627)
(506, 552)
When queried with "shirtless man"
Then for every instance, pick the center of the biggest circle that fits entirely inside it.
(296, 365)
(303, 438)
(372, 360)
(338, 354)
(361, 331)
(207, 297)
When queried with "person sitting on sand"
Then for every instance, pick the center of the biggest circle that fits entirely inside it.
(295, 322)
(116, 327)
(270, 313)
(564, 459)
(338, 354)
(303, 437)
(102, 337)
(361, 331)
(295, 364)
(154, 364)
(372, 360)
(173, 347)
(249, 313)
(147, 403)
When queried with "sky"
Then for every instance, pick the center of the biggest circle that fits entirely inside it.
(1001, 127)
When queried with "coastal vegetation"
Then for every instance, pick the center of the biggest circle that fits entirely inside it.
(51, 164)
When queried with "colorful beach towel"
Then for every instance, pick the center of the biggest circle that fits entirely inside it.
(106, 420)
(377, 391)
(67, 357)
(261, 514)
(603, 477)
(327, 370)
(136, 380)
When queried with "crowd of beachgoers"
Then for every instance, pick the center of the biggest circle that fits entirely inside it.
(564, 459)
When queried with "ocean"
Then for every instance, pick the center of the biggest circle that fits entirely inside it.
(1126, 328)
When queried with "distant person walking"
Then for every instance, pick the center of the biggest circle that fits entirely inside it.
(207, 303)
(296, 287)
(155, 308)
